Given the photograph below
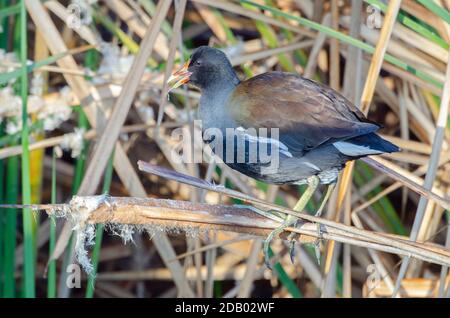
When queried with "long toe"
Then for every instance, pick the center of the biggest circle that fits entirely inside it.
(270, 214)
(266, 247)
(317, 251)
(317, 243)
(291, 240)
(269, 239)
(292, 251)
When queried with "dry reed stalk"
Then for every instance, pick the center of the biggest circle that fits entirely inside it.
(89, 135)
(441, 126)
(225, 244)
(419, 171)
(334, 48)
(378, 55)
(61, 12)
(211, 20)
(366, 99)
(122, 105)
(221, 273)
(306, 7)
(129, 16)
(251, 57)
(418, 42)
(411, 288)
(121, 162)
(172, 215)
(310, 68)
(409, 145)
(413, 57)
(132, 182)
(416, 9)
(351, 231)
(352, 75)
(347, 265)
(411, 78)
(230, 7)
(393, 102)
(408, 179)
(413, 107)
(234, 22)
(170, 59)
(246, 284)
(80, 87)
(376, 259)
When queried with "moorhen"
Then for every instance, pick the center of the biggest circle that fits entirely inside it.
(318, 130)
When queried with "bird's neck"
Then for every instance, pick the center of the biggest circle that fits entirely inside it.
(213, 111)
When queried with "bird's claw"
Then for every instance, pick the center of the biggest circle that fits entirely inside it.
(317, 243)
(270, 238)
(266, 247)
(288, 222)
(292, 251)
(317, 250)
(291, 239)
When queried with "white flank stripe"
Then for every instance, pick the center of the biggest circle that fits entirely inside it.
(311, 165)
(282, 147)
(350, 149)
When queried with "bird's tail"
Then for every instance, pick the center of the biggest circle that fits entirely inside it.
(375, 142)
(365, 145)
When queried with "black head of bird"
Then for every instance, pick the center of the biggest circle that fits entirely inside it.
(208, 68)
(319, 130)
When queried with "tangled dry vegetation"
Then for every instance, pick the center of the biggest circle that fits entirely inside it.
(97, 102)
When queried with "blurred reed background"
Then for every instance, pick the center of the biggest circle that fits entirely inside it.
(64, 87)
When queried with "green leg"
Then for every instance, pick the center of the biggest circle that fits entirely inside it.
(327, 196)
(313, 183)
(330, 189)
(317, 244)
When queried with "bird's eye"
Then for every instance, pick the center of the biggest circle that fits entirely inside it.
(198, 63)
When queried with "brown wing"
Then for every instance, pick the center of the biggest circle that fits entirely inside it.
(307, 113)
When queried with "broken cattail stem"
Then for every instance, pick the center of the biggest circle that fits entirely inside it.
(354, 232)
(155, 215)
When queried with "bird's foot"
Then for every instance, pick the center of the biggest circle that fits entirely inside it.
(266, 245)
(292, 251)
(292, 240)
(275, 216)
(317, 247)
(288, 222)
(318, 243)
